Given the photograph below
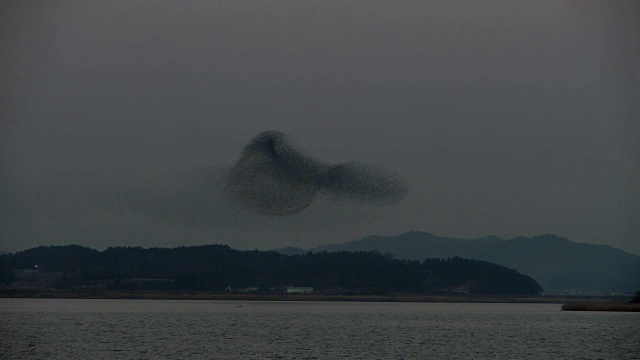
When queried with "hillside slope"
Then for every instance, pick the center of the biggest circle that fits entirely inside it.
(559, 265)
(218, 267)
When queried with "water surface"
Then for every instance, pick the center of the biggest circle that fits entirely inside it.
(182, 329)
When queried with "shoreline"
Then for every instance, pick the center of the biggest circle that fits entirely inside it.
(615, 306)
(203, 295)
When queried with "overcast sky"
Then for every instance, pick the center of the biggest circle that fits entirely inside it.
(506, 118)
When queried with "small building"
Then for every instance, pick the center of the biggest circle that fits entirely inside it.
(251, 289)
(246, 290)
(299, 290)
(148, 280)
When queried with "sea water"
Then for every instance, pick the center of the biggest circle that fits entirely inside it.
(181, 329)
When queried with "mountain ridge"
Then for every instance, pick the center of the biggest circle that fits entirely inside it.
(559, 264)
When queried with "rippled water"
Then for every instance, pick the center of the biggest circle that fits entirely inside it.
(159, 329)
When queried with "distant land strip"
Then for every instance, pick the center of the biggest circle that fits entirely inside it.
(602, 301)
(616, 306)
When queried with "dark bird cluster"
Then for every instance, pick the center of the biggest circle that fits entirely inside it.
(274, 177)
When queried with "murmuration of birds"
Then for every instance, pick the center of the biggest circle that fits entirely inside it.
(274, 177)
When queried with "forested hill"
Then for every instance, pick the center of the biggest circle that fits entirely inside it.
(218, 267)
(560, 265)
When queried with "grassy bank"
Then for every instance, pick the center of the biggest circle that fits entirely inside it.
(607, 306)
(202, 295)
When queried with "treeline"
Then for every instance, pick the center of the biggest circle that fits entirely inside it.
(218, 267)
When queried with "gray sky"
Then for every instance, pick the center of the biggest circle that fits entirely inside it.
(506, 118)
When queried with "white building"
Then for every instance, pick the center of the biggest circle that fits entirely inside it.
(299, 290)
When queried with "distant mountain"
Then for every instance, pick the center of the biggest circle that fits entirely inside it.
(559, 265)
